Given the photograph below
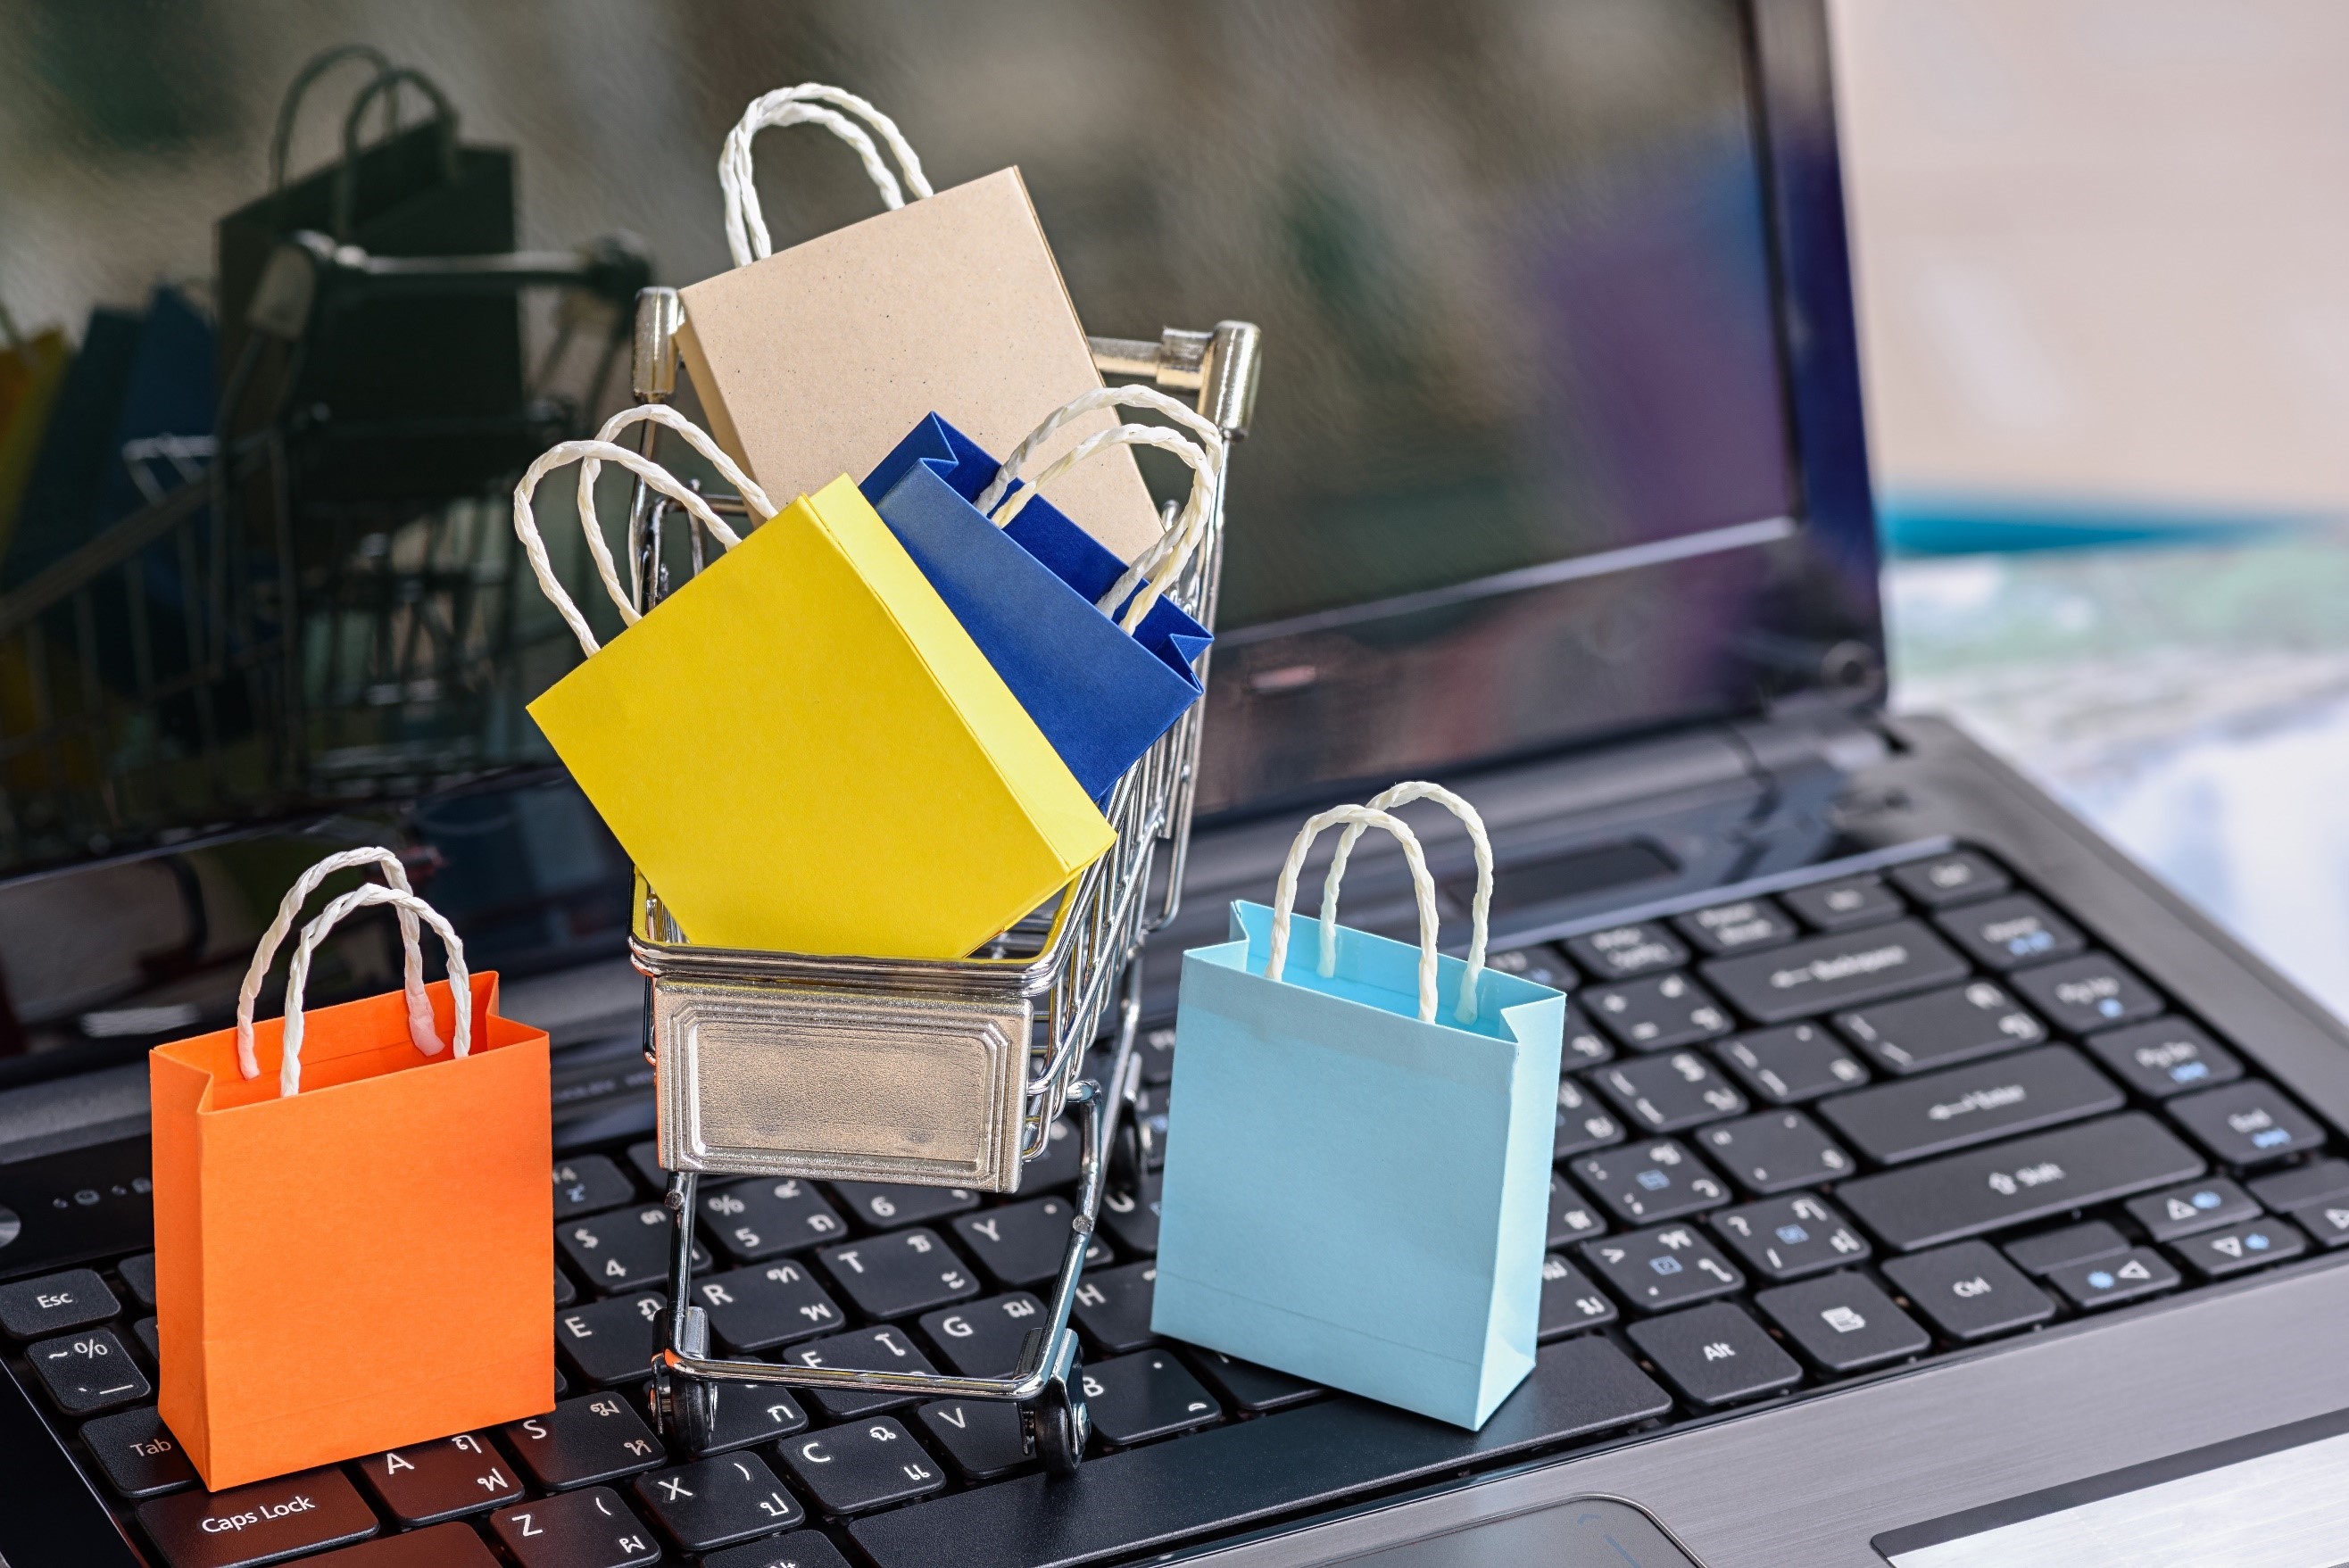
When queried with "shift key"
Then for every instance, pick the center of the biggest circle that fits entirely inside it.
(1842, 970)
(2012, 1184)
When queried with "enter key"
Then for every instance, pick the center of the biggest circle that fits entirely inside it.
(1910, 1118)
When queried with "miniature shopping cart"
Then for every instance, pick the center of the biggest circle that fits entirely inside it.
(937, 1073)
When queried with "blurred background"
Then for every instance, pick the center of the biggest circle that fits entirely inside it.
(2103, 253)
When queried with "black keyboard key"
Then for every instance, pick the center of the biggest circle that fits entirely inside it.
(442, 1546)
(2166, 1057)
(2085, 994)
(2284, 1191)
(425, 1483)
(1942, 1028)
(2326, 1221)
(1245, 1385)
(767, 1217)
(585, 1183)
(862, 1466)
(2032, 1177)
(983, 1339)
(32, 1308)
(984, 1439)
(748, 1413)
(1915, 1117)
(1790, 1065)
(594, 1438)
(151, 1339)
(1063, 1160)
(1969, 1292)
(1641, 1184)
(1848, 969)
(2008, 932)
(1744, 926)
(2240, 1248)
(1150, 1394)
(1667, 1093)
(866, 1350)
(1112, 1307)
(1842, 1322)
(1021, 1245)
(264, 1522)
(800, 1549)
(1775, 1151)
(590, 1529)
(765, 1305)
(900, 1273)
(2048, 1251)
(138, 1454)
(1156, 1048)
(1845, 903)
(1582, 1126)
(625, 1250)
(1586, 1046)
(1569, 1301)
(1543, 966)
(1625, 952)
(2247, 1123)
(1657, 1015)
(1784, 1239)
(2196, 1206)
(886, 1205)
(1571, 1219)
(138, 1278)
(1148, 1496)
(1660, 1269)
(610, 1342)
(1131, 1217)
(1959, 877)
(1715, 1355)
(88, 1372)
(2140, 1271)
(645, 1160)
(566, 1292)
(717, 1502)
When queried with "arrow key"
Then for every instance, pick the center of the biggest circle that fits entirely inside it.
(2328, 1223)
(2106, 1281)
(2237, 1249)
(2194, 1206)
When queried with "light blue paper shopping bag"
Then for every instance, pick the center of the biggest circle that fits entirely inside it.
(1313, 1087)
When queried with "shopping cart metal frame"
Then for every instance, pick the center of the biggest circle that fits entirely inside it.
(1045, 986)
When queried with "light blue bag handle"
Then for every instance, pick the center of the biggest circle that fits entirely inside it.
(1284, 898)
(1387, 799)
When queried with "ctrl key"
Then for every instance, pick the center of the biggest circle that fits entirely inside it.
(258, 1523)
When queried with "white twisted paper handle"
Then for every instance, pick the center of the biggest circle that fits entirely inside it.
(265, 952)
(701, 442)
(460, 983)
(746, 223)
(1387, 799)
(1284, 898)
(1166, 558)
(534, 547)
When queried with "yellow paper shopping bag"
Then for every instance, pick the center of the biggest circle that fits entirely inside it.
(801, 749)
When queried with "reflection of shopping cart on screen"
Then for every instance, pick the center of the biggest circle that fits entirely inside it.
(935, 1073)
(248, 642)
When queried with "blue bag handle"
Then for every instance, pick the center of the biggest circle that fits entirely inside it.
(1480, 912)
(1284, 898)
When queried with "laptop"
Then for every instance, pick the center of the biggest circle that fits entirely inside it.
(1933, 1188)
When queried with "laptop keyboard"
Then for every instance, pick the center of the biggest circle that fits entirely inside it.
(1802, 1139)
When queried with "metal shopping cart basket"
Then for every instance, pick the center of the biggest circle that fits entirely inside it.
(947, 1073)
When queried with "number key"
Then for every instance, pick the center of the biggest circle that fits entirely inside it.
(586, 1183)
(1657, 1015)
(623, 1250)
(574, 1530)
(757, 1219)
(885, 1205)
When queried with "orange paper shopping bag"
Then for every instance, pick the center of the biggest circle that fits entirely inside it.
(354, 1227)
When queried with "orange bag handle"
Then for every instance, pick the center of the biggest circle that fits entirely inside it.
(420, 1010)
(460, 983)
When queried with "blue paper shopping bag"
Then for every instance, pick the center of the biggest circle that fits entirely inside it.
(1026, 592)
(1306, 1088)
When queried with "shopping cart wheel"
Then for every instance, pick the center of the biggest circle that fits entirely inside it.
(684, 1409)
(1057, 1428)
